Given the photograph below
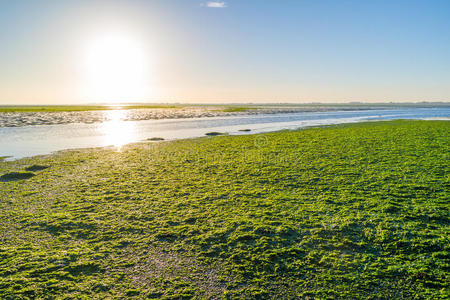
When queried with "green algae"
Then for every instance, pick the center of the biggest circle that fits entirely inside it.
(356, 211)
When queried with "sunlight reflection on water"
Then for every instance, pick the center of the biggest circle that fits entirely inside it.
(117, 132)
(26, 141)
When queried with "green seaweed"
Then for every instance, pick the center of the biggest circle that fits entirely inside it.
(355, 211)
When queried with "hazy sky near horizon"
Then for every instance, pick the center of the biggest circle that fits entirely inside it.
(82, 51)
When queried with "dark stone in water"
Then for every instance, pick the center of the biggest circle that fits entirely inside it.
(214, 133)
(13, 176)
(155, 139)
(34, 168)
(244, 129)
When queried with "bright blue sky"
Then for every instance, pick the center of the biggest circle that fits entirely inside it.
(247, 51)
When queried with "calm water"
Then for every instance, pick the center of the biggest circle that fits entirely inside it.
(19, 142)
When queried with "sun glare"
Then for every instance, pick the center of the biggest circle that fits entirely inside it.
(115, 69)
(116, 131)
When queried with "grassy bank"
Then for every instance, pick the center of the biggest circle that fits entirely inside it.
(72, 108)
(351, 211)
(238, 108)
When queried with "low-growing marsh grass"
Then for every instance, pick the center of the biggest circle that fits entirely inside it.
(238, 109)
(357, 211)
(72, 108)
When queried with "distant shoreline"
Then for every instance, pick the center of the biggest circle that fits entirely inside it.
(18, 116)
(31, 118)
(219, 106)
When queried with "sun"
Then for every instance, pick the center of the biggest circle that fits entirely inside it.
(115, 69)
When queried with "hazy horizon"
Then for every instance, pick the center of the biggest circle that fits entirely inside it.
(194, 52)
(188, 102)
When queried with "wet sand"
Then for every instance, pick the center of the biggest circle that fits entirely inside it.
(18, 119)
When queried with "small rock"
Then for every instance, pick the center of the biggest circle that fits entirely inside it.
(214, 133)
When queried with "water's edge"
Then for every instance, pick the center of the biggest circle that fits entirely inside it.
(30, 141)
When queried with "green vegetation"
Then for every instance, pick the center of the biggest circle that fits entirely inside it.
(216, 107)
(72, 108)
(349, 105)
(357, 211)
(237, 108)
(56, 108)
